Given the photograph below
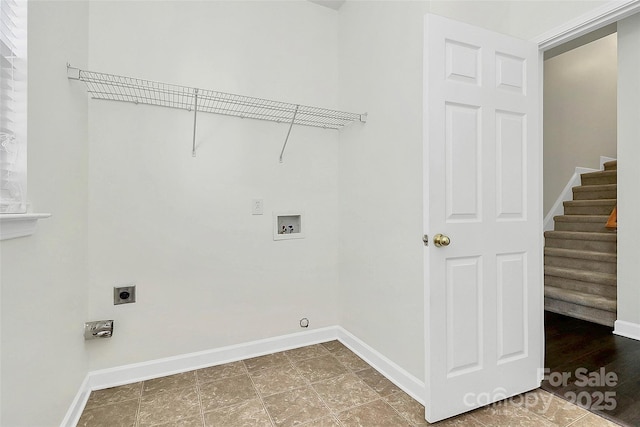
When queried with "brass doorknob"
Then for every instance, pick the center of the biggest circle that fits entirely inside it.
(441, 240)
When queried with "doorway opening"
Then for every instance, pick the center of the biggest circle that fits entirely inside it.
(587, 364)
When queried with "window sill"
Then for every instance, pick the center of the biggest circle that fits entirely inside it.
(19, 225)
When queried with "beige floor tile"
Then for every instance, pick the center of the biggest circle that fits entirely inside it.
(308, 352)
(171, 382)
(334, 345)
(344, 392)
(265, 362)
(550, 407)
(220, 372)
(592, 420)
(120, 414)
(350, 360)
(374, 414)
(505, 413)
(407, 407)
(187, 422)
(323, 422)
(295, 407)
(226, 392)
(377, 381)
(250, 413)
(413, 411)
(168, 406)
(113, 395)
(464, 420)
(320, 368)
(276, 380)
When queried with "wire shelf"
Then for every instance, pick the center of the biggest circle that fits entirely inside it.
(139, 91)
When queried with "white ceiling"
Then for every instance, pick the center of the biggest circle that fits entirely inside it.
(332, 4)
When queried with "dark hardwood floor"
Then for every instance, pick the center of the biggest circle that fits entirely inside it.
(594, 368)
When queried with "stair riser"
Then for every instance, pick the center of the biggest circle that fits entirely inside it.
(590, 314)
(583, 245)
(582, 226)
(589, 210)
(610, 167)
(580, 286)
(595, 195)
(599, 180)
(581, 264)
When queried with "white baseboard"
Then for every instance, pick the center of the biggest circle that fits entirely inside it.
(77, 406)
(401, 378)
(627, 329)
(127, 374)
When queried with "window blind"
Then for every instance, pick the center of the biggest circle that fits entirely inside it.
(13, 106)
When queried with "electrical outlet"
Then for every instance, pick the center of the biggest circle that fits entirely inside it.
(124, 294)
(257, 207)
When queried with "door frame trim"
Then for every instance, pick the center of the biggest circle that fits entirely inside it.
(591, 21)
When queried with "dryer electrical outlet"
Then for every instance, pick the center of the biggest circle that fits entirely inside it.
(124, 294)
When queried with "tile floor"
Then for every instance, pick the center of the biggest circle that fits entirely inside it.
(323, 385)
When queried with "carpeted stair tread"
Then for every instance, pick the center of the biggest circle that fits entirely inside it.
(608, 279)
(591, 314)
(581, 218)
(599, 178)
(586, 223)
(611, 165)
(580, 298)
(579, 235)
(589, 207)
(579, 285)
(596, 202)
(581, 240)
(581, 264)
(599, 187)
(574, 253)
(592, 192)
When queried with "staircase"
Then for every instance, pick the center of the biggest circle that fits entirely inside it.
(580, 254)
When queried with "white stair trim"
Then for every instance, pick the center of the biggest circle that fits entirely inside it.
(127, 374)
(566, 195)
(605, 159)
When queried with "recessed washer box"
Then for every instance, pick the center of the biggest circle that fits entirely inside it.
(287, 225)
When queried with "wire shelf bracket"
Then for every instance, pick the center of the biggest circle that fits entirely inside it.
(138, 91)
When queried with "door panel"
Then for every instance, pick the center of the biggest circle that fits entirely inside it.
(462, 142)
(512, 307)
(483, 292)
(464, 343)
(511, 191)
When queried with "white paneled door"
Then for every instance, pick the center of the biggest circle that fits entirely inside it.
(483, 261)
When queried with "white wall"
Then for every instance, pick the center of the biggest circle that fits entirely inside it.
(381, 252)
(628, 170)
(580, 96)
(44, 276)
(381, 285)
(208, 273)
